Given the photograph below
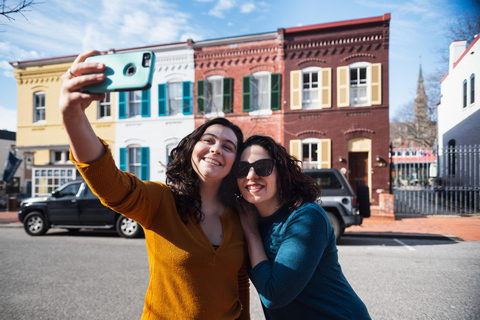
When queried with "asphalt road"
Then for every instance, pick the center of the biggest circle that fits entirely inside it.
(97, 275)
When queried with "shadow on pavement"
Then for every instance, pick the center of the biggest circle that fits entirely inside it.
(395, 240)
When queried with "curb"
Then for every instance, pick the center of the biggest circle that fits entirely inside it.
(11, 225)
(420, 236)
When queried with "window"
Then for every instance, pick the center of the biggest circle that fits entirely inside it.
(214, 96)
(104, 107)
(261, 92)
(133, 104)
(311, 89)
(472, 88)
(39, 106)
(451, 157)
(59, 156)
(135, 160)
(175, 98)
(464, 93)
(359, 85)
(48, 179)
(314, 153)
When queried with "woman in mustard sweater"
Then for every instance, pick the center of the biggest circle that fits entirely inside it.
(194, 239)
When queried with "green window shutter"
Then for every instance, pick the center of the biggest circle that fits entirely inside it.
(247, 96)
(162, 100)
(275, 91)
(200, 96)
(123, 159)
(122, 105)
(187, 98)
(146, 103)
(145, 158)
(227, 95)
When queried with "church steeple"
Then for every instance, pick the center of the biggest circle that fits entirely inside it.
(420, 103)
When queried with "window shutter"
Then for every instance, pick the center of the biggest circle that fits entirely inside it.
(187, 98)
(162, 99)
(200, 96)
(227, 95)
(247, 97)
(296, 149)
(123, 159)
(146, 103)
(145, 157)
(122, 105)
(343, 87)
(376, 72)
(296, 90)
(325, 156)
(326, 87)
(275, 91)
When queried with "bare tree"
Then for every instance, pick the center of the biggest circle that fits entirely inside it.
(8, 10)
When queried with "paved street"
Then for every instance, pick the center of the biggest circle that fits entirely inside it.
(97, 275)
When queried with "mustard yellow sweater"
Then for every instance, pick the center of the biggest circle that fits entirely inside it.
(189, 279)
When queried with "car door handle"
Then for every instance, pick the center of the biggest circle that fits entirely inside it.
(74, 200)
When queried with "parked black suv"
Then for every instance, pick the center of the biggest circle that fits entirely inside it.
(73, 206)
(339, 200)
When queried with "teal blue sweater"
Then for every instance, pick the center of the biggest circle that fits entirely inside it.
(302, 278)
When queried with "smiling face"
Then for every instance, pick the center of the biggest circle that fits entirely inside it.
(260, 191)
(214, 154)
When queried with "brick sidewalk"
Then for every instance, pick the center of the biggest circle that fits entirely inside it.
(466, 228)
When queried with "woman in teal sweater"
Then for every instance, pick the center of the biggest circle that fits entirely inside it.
(293, 255)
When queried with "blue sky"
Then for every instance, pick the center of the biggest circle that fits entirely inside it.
(54, 28)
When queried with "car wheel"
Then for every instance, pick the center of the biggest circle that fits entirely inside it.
(363, 199)
(35, 224)
(337, 225)
(128, 228)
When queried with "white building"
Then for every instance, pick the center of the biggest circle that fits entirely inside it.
(144, 136)
(459, 116)
(459, 109)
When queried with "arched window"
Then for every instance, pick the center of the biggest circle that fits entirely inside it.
(472, 88)
(39, 106)
(465, 93)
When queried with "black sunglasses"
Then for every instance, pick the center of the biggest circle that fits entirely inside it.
(263, 168)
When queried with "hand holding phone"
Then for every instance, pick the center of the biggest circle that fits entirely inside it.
(124, 72)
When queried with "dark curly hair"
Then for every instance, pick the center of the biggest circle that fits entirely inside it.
(293, 186)
(185, 182)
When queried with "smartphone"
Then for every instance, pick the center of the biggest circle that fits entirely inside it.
(124, 72)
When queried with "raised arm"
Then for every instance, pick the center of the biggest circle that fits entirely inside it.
(84, 143)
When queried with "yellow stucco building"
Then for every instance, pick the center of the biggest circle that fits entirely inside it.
(40, 134)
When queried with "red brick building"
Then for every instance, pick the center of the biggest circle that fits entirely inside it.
(319, 90)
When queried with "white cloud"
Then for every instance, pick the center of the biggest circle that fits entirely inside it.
(8, 120)
(247, 7)
(221, 7)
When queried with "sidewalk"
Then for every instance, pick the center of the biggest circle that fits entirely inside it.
(464, 228)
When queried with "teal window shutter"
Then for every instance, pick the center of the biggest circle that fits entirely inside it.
(122, 105)
(123, 159)
(275, 91)
(247, 89)
(187, 98)
(200, 96)
(227, 95)
(162, 99)
(146, 103)
(145, 158)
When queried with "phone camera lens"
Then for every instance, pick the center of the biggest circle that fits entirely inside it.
(130, 70)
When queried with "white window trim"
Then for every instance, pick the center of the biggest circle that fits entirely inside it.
(35, 120)
(169, 83)
(368, 84)
(129, 107)
(101, 105)
(267, 111)
(65, 159)
(130, 147)
(318, 104)
(312, 164)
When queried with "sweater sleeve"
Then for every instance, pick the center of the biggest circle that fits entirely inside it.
(280, 281)
(121, 191)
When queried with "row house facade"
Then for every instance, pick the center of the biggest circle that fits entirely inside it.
(321, 91)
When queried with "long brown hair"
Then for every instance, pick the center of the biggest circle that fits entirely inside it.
(293, 186)
(185, 182)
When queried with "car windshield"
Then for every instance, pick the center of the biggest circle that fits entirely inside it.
(326, 180)
(69, 190)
